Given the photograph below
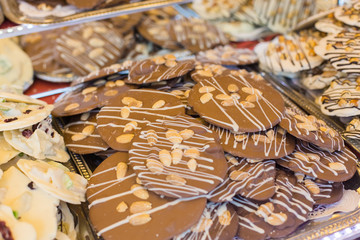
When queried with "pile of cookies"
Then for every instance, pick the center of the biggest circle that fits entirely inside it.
(238, 166)
(35, 187)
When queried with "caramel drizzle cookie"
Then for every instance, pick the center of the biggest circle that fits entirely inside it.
(323, 192)
(288, 54)
(88, 96)
(320, 77)
(233, 102)
(342, 50)
(196, 34)
(311, 129)
(342, 98)
(81, 135)
(178, 158)
(279, 216)
(248, 178)
(308, 159)
(271, 144)
(218, 221)
(349, 14)
(158, 69)
(227, 55)
(88, 47)
(331, 25)
(120, 120)
(353, 129)
(103, 72)
(119, 205)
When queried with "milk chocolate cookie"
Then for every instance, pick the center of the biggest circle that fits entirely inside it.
(88, 47)
(196, 34)
(237, 103)
(130, 111)
(227, 55)
(279, 216)
(81, 135)
(120, 206)
(88, 96)
(218, 221)
(308, 159)
(271, 144)
(178, 158)
(126, 23)
(254, 180)
(311, 129)
(158, 69)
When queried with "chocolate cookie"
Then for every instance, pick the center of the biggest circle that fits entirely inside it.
(271, 144)
(88, 96)
(227, 55)
(88, 47)
(237, 103)
(178, 158)
(158, 69)
(81, 135)
(311, 129)
(125, 23)
(120, 206)
(310, 160)
(279, 216)
(218, 221)
(196, 34)
(132, 110)
(254, 180)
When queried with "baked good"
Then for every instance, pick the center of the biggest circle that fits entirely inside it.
(320, 77)
(218, 9)
(353, 129)
(349, 13)
(81, 4)
(42, 9)
(125, 23)
(178, 158)
(120, 206)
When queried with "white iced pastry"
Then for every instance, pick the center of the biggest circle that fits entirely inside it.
(58, 11)
(216, 9)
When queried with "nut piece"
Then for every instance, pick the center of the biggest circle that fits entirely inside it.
(110, 93)
(88, 130)
(238, 175)
(96, 42)
(130, 126)
(175, 180)
(265, 210)
(233, 88)
(176, 156)
(125, 112)
(311, 186)
(121, 170)
(165, 157)
(206, 89)
(231, 159)
(313, 156)
(337, 166)
(223, 97)
(154, 166)
(192, 164)
(122, 207)
(158, 104)
(252, 98)
(140, 206)
(97, 52)
(307, 126)
(203, 225)
(119, 83)
(128, 100)
(299, 176)
(301, 156)
(187, 134)
(276, 219)
(205, 98)
(170, 63)
(125, 138)
(78, 137)
(247, 104)
(85, 116)
(225, 218)
(228, 103)
(192, 153)
(88, 90)
(139, 219)
(158, 60)
(250, 90)
(240, 137)
(173, 136)
(151, 137)
(139, 191)
(260, 138)
(301, 118)
(71, 106)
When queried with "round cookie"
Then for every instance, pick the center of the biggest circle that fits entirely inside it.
(279, 216)
(227, 55)
(218, 221)
(271, 144)
(349, 13)
(81, 135)
(178, 158)
(196, 34)
(311, 129)
(125, 23)
(120, 206)
(310, 160)
(254, 180)
(88, 47)
(158, 69)
(129, 112)
(320, 77)
(237, 103)
(88, 96)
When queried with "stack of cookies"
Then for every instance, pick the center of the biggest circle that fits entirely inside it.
(35, 187)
